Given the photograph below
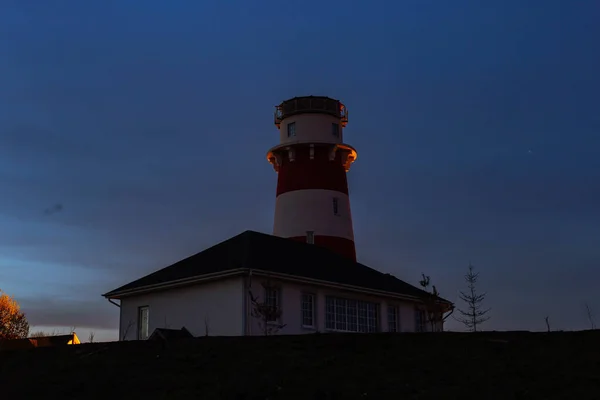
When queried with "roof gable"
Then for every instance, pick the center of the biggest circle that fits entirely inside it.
(224, 256)
(315, 262)
(170, 334)
(254, 250)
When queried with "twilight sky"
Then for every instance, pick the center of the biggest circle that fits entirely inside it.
(133, 134)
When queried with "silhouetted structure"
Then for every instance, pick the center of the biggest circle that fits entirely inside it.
(43, 341)
(170, 334)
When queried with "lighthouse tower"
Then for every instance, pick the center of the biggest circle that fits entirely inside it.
(311, 160)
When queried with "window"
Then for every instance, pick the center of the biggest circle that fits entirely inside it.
(143, 313)
(419, 320)
(310, 237)
(272, 303)
(308, 310)
(335, 129)
(393, 319)
(291, 128)
(351, 315)
(336, 206)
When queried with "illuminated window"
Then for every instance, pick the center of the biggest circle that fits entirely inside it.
(310, 237)
(143, 325)
(308, 310)
(291, 128)
(336, 206)
(335, 129)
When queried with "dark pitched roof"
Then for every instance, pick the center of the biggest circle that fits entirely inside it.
(170, 334)
(16, 344)
(58, 340)
(256, 250)
(42, 341)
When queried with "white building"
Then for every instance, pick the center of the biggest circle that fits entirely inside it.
(315, 289)
(306, 276)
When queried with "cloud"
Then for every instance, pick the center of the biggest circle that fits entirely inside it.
(59, 311)
(56, 208)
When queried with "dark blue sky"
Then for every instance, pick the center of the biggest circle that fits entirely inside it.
(149, 123)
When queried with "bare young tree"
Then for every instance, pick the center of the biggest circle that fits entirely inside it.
(91, 337)
(268, 315)
(474, 315)
(547, 319)
(39, 334)
(126, 330)
(206, 326)
(433, 308)
(590, 316)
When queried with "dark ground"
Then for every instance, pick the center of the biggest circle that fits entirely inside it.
(494, 365)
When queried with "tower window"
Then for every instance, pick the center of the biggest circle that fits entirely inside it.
(310, 237)
(336, 206)
(291, 128)
(335, 129)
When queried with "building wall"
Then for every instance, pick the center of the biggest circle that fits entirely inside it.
(220, 302)
(291, 304)
(310, 128)
(312, 209)
(304, 167)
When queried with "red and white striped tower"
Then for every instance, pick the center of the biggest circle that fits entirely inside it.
(311, 160)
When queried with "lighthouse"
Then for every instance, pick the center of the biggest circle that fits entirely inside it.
(312, 245)
(311, 161)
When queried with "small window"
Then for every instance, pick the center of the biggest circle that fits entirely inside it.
(272, 302)
(291, 128)
(393, 319)
(336, 207)
(419, 320)
(143, 314)
(335, 129)
(308, 310)
(310, 237)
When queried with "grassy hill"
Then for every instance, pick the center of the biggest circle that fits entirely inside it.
(494, 365)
